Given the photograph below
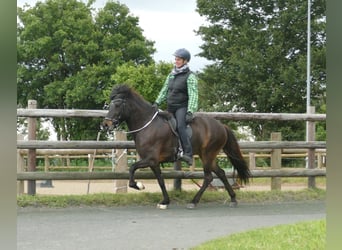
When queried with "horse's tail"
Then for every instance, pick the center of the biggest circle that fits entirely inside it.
(232, 149)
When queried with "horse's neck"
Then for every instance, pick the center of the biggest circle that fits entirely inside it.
(139, 116)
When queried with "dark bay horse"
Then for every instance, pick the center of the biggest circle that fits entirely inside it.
(156, 143)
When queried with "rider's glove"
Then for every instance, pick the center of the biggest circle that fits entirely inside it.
(189, 117)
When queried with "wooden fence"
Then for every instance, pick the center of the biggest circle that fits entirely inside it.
(58, 159)
(275, 146)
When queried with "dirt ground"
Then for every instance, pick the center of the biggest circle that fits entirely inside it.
(109, 186)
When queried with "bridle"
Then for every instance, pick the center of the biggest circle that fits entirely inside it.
(117, 121)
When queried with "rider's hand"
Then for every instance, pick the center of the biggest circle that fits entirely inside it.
(189, 117)
(155, 106)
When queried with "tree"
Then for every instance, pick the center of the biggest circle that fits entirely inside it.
(144, 79)
(259, 51)
(67, 53)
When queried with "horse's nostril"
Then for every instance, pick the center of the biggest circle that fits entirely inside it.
(108, 125)
(103, 127)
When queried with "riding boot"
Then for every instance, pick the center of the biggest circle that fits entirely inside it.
(187, 150)
(187, 147)
(183, 135)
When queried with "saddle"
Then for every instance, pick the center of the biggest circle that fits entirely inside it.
(171, 120)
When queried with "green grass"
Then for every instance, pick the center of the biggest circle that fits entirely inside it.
(176, 197)
(304, 235)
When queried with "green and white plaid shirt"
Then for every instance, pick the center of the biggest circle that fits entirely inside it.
(192, 92)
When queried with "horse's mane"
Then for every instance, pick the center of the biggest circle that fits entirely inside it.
(121, 91)
(126, 92)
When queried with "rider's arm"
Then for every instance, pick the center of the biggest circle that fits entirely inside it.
(192, 93)
(163, 92)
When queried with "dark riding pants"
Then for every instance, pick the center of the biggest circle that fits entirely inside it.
(181, 128)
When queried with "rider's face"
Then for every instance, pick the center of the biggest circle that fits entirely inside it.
(179, 62)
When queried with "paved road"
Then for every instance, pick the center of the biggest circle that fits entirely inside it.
(125, 228)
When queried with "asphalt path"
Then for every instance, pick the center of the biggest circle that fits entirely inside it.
(146, 227)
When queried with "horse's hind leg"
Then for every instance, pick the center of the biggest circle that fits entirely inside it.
(222, 175)
(208, 177)
(166, 200)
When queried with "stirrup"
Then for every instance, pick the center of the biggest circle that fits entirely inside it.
(187, 159)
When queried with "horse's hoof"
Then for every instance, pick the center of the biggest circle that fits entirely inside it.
(137, 185)
(140, 186)
(233, 204)
(191, 206)
(162, 206)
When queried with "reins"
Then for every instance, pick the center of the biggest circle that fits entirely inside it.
(146, 125)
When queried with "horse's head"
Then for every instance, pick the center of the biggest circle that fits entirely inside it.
(114, 115)
(117, 108)
(128, 106)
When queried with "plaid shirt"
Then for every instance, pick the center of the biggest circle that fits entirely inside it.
(192, 92)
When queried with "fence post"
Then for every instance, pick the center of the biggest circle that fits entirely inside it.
(120, 186)
(252, 163)
(47, 183)
(276, 162)
(31, 157)
(177, 183)
(20, 167)
(311, 152)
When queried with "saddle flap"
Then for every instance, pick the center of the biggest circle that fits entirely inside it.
(171, 120)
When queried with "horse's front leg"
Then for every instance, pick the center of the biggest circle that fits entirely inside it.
(166, 200)
(132, 169)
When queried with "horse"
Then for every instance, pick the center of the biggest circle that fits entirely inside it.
(156, 142)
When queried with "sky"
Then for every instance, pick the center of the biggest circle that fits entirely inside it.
(169, 23)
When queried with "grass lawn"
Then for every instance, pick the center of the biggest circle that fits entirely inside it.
(176, 197)
(304, 235)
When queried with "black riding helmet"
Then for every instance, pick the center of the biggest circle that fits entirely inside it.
(183, 53)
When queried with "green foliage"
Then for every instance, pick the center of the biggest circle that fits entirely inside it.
(259, 53)
(70, 56)
(67, 52)
(321, 126)
(310, 235)
(147, 80)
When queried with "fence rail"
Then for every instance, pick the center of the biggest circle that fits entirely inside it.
(166, 174)
(218, 115)
(275, 147)
(36, 144)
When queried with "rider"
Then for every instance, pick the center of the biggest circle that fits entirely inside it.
(180, 91)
